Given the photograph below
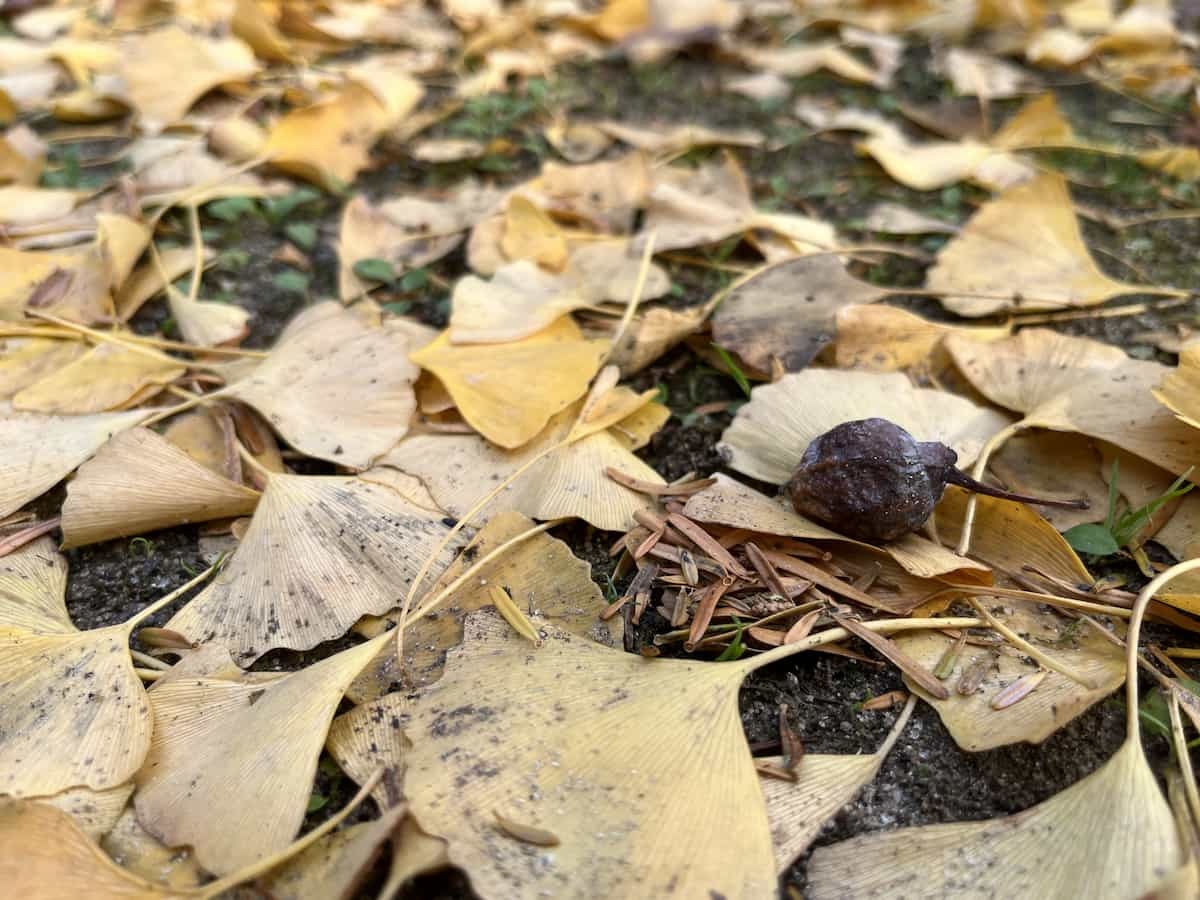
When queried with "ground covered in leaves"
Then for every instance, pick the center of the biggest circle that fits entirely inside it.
(276, 245)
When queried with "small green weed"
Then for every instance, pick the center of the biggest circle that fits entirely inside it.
(735, 370)
(1119, 531)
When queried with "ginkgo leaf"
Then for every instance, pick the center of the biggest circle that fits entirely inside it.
(1034, 222)
(520, 300)
(653, 333)
(460, 469)
(207, 323)
(33, 589)
(335, 865)
(540, 574)
(825, 782)
(140, 853)
(334, 387)
(882, 338)
(770, 433)
(329, 142)
(786, 311)
(1180, 388)
(25, 361)
(1109, 835)
(319, 553)
(798, 60)
(21, 205)
(407, 231)
(553, 738)
(605, 195)
(231, 765)
(1116, 815)
(609, 271)
(892, 218)
(1076, 384)
(1056, 465)
(972, 719)
(141, 482)
(666, 140)
(48, 855)
(146, 281)
(530, 234)
(508, 392)
(36, 452)
(106, 377)
(1010, 536)
(74, 285)
(928, 166)
(95, 812)
(733, 504)
(74, 714)
(167, 70)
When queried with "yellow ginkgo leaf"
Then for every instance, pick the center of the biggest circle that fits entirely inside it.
(73, 285)
(22, 156)
(881, 338)
(21, 205)
(33, 589)
(532, 235)
(520, 300)
(207, 323)
(664, 141)
(1116, 815)
(26, 360)
(170, 489)
(1034, 223)
(121, 240)
(973, 720)
(142, 854)
(231, 766)
(320, 553)
(253, 23)
(48, 855)
(540, 573)
(146, 280)
(914, 559)
(1180, 388)
(798, 60)
(167, 70)
(335, 865)
(556, 760)
(95, 812)
(334, 387)
(107, 377)
(460, 469)
(786, 312)
(329, 142)
(770, 433)
(1011, 535)
(1077, 384)
(36, 452)
(1057, 465)
(508, 392)
(825, 783)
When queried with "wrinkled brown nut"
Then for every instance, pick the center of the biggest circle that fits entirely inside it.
(873, 481)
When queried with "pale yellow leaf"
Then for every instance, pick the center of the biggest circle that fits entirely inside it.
(107, 377)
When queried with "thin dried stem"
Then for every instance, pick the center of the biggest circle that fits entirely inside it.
(639, 287)
(977, 472)
(1132, 726)
(1030, 650)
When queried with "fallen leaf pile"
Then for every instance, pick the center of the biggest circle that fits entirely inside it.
(422, 440)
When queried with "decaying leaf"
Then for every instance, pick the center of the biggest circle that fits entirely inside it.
(334, 386)
(1034, 222)
(508, 392)
(787, 311)
(460, 469)
(36, 452)
(140, 482)
(770, 433)
(319, 553)
(140, 853)
(231, 765)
